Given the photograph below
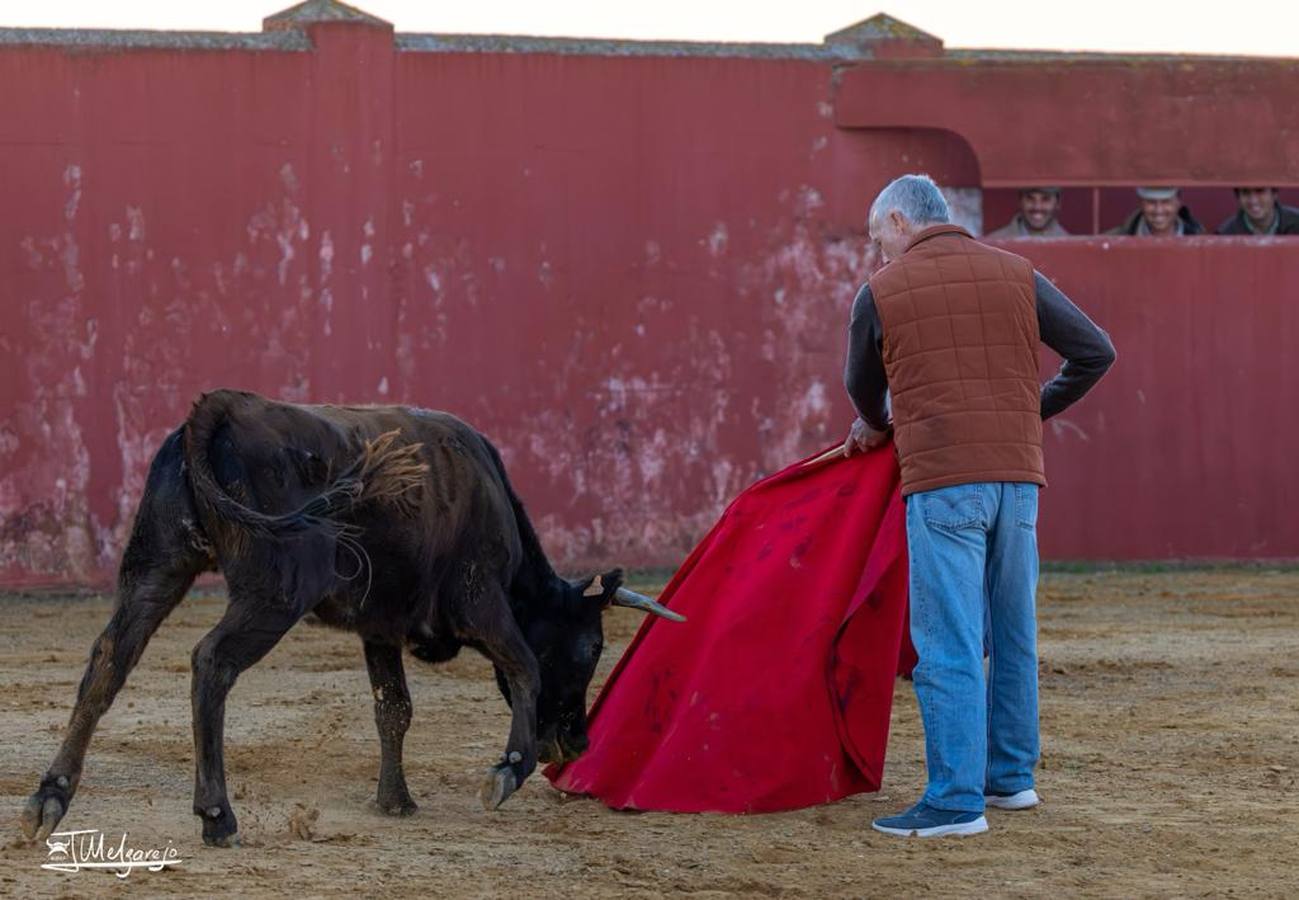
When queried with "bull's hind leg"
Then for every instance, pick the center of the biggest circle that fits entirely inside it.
(247, 632)
(392, 716)
(164, 555)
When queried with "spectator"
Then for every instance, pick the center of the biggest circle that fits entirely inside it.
(1038, 216)
(1261, 213)
(1161, 214)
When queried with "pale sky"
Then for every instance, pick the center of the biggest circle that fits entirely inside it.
(1249, 27)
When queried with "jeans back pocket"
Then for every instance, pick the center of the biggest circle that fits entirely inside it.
(1026, 496)
(957, 508)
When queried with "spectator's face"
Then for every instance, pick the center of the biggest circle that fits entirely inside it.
(1161, 215)
(1258, 203)
(1039, 208)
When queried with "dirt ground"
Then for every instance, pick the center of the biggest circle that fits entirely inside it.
(1170, 707)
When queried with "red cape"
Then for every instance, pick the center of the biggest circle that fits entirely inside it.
(776, 693)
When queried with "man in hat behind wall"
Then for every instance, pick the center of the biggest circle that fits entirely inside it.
(1261, 213)
(1161, 214)
(1038, 216)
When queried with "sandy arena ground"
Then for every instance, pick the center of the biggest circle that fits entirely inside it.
(1170, 708)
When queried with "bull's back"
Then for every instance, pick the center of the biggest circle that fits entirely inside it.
(279, 455)
(462, 521)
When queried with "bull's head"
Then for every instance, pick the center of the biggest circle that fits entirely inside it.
(567, 641)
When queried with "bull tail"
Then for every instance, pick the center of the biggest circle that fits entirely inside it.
(385, 471)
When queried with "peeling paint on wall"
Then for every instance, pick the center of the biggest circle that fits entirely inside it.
(646, 312)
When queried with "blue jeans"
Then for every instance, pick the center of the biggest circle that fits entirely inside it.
(973, 558)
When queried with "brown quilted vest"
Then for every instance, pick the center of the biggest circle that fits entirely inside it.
(960, 351)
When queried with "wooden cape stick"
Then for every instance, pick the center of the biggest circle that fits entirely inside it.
(832, 453)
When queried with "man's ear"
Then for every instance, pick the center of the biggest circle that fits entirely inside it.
(602, 587)
(900, 222)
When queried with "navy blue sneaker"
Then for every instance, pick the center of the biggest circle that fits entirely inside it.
(923, 820)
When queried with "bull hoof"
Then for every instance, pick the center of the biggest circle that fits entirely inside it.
(498, 787)
(46, 808)
(225, 841)
(401, 806)
(219, 826)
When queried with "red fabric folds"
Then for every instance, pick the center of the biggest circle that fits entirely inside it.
(776, 693)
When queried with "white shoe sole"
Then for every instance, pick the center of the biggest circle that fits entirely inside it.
(1023, 800)
(978, 826)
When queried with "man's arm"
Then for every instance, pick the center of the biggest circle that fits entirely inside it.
(863, 373)
(1087, 350)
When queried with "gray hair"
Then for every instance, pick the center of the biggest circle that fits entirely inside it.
(916, 197)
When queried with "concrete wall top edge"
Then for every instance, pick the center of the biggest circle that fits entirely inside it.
(503, 43)
(114, 39)
(990, 55)
(294, 39)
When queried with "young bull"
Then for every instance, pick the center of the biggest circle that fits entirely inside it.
(398, 524)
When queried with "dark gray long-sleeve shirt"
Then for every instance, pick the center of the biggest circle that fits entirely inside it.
(1085, 347)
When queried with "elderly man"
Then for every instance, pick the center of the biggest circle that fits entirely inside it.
(1160, 213)
(1038, 216)
(1261, 212)
(950, 328)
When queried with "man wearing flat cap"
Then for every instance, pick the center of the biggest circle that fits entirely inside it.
(1039, 209)
(1161, 214)
(1261, 213)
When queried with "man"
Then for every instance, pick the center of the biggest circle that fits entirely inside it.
(1160, 213)
(1038, 216)
(950, 327)
(1261, 212)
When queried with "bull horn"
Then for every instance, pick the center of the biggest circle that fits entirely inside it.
(624, 597)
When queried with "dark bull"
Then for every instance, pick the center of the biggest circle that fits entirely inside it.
(397, 524)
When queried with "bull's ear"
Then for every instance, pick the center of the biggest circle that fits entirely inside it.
(601, 588)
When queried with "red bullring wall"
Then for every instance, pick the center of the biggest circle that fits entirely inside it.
(630, 265)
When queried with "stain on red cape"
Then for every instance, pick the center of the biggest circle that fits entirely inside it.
(776, 693)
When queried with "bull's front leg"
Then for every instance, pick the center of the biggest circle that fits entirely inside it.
(520, 760)
(499, 638)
